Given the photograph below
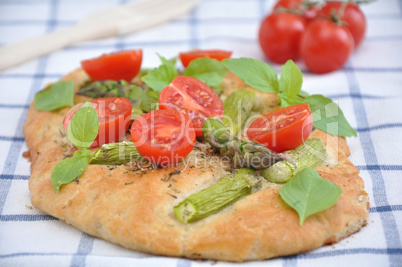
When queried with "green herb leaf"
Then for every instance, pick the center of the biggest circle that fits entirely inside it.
(303, 93)
(135, 93)
(69, 169)
(218, 89)
(173, 60)
(290, 83)
(83, 127)
(255, 73)
(57, 95)
(327, 116)
(207, 70)
(161, 76)
(149, 100)
(308, 193)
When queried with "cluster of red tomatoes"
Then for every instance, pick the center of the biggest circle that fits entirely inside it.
(324, 36)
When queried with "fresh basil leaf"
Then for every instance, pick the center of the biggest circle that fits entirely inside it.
(161, 76)
(255, 73)
(207, 70)
(308, 193)
(57, 95)
(68, 170)
(218, 89)
(303, 93)
(135, 93)
(291, 80)
(83, 126)
(85, 152)
(173, 60)
(142, 73)
(149, 100)
(327, 116)
(285, 101)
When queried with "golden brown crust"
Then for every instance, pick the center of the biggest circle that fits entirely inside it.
(135, 209)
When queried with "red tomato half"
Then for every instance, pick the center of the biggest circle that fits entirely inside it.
(309, 9)
(114, 118)
(186, 57)
(192, 97)
(326, 46)
(123, 65)
(283, 129)
(163, 136)
(352, 15)
(280, 35)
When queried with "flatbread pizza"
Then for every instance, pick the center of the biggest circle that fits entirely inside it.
(133, 204)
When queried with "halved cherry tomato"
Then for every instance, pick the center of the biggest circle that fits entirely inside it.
(114, 118)
(164, 137)
(352, 15)
(283, 129)
(186, 57)
(192, 97)
(123, 65)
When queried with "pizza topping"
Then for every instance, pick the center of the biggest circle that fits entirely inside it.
(207, 70)
(193, 98)
(213, 199)
(114, 119)
(122, 65)
(160, 77)
(140, 95)
(57, 95)
(309, 155)
(116, 154)
(262, 77)
(283, 129)
(308, 193)
(189, 107)
(245, 153)
(188, 57)
(164, 137)
(237, 108)
(82, 131)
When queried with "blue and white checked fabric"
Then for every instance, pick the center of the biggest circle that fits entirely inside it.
(368, 89)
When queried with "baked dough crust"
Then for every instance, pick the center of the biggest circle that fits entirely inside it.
(135, 208)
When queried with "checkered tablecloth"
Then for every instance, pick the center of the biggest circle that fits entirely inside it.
(368, 89)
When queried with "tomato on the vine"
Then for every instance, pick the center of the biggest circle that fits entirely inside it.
(326, 46)
(192, 97)
(114, 118)
(279, 36)
(187, 57)
(122, 65)
(283, 129)
(164, 137)
(352, 15)
(309, 9)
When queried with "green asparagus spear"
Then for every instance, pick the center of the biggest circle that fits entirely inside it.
(140, 95)
(309, 155)
(218, 196)
(107, 88)
(237, 108)
(115, 154)
(245, 153)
